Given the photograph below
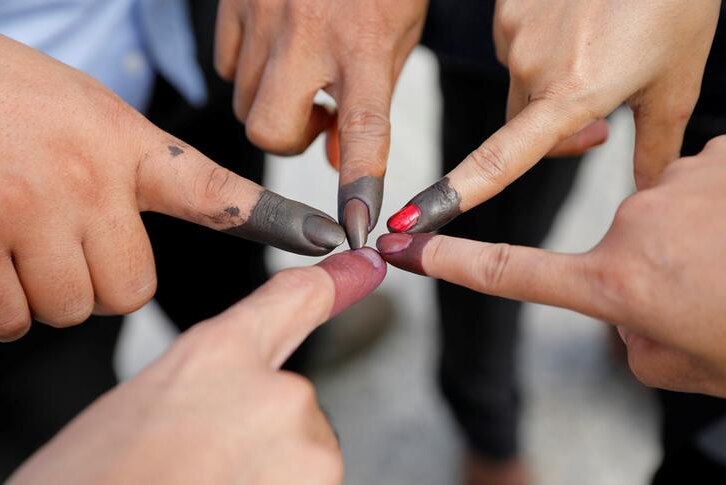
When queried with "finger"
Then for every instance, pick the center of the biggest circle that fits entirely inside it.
(661, 116)
(120, 262)
(589, 137)
(283, 118)
(177, 180)
(229, 33)
(250, 67)
(14, 311)
(53, 272)
(310, 295)
(365, 137)
(515, 272)
(500, 160)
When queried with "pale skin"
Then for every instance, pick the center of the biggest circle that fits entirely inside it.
(279, 53)
(571, 63)
(78, 166)
(658, 274)
(215, 408)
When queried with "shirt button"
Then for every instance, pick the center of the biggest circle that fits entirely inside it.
(134, 63)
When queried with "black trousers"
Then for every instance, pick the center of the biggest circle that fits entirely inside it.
(479, 333)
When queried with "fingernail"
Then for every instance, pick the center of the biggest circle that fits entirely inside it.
(323, 232)
(368, 190)
(356, 223)
(372, 256)
(404, 251)
(404, 219)
(393, 243)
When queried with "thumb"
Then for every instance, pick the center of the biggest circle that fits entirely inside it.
(311, 295)
(175, 179)
(515, 272)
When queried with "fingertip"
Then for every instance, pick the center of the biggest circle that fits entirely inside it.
(428, 211)
(404, 251)
(355, 274)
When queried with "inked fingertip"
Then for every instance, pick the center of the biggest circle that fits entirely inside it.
(372, 256)
(355, 274)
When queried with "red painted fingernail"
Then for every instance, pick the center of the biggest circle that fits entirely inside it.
(404, 219)
(393, 243)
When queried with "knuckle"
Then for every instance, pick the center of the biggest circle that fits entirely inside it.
(110, 109)
(519, 61)
(72, 311)
(298, 392)
(14, 324)
(326, 465)
(306, 16)
(133, 294)
(80, 174)
(716, 144)
(625, 283)
(491, 264)
(682, 110)
(241, 109)
(213, 184)
(643, 373)
(264, 8)
(277, 138)
(17, 195)
(489, 164)
(507, 19)
(365, 124)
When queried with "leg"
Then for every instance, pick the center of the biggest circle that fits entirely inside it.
(479, 333)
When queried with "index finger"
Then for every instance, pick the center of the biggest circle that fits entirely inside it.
(515, 272)
(175, 179)
(500, 160)
(364, 130)
(286, 309)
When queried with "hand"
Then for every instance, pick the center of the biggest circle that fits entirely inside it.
(281, 52)
(571, 63)
(659, 273)
(78, 165)
(215, 408)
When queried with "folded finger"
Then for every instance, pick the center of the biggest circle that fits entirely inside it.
(14, 311)
(283, 118)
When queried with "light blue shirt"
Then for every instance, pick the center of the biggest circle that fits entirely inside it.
(122, 43)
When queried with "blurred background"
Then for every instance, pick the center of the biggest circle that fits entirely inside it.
(585, 420)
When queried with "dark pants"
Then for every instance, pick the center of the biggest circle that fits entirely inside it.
(51, 375)
(479, 333)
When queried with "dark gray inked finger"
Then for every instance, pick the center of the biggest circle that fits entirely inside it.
(359, 205)
(428, 211)
(289, 225)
